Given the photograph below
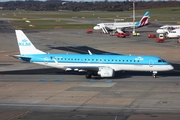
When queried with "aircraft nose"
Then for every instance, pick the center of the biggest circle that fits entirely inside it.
(159, 31)
(96, 28)
(170, 67)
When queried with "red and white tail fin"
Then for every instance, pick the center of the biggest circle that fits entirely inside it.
(143, 21)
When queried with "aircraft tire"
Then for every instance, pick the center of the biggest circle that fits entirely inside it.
(89, 75)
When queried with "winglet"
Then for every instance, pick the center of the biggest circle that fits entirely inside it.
(25, 45)
(89, 52)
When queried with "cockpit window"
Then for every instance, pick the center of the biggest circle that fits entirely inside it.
(161, 60)
(173, 32)
(170, 28)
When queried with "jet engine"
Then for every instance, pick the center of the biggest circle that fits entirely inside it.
(106, 72)
(119, 31)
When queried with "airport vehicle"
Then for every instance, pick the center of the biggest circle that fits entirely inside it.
(94, 64)
(121, 26)
(121, 35)
(160, 39)
(151, 35)
(165, 29)
(174, 33)
(89, 31)
(178, 41)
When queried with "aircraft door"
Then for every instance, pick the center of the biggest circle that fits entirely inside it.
(151, 62)
(46, 60)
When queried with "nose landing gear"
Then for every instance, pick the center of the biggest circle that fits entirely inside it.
(154, 74)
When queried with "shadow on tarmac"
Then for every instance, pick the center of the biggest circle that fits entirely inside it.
(82, 50)
(118, 74)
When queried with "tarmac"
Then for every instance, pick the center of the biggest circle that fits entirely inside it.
(30, 91)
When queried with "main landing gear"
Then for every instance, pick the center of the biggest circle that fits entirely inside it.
(89, 74)
(154, 74)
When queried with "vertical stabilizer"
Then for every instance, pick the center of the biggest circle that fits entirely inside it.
(143, 21)
(25, 45)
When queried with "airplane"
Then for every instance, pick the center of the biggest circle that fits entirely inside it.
(121, 26)
(174, 33)
(103, 65)
(165, 29)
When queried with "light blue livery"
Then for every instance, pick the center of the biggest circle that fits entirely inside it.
(93, 64)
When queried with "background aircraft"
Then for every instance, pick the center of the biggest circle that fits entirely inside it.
(94, 64)
(174, 33)
(121, 26)
(167, 28)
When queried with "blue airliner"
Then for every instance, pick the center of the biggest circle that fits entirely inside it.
(94, 64)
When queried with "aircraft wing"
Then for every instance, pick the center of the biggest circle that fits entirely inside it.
(84, 68)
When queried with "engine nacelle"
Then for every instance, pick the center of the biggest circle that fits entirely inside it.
(106, 72)
(119, 31)
(113, 28)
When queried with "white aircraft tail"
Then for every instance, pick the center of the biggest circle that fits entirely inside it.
(143, 21)
(25, 45)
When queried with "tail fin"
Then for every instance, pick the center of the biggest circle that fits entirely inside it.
(25, 45)
(143, 21)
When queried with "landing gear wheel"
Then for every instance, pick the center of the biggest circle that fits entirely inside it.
(89, 75)
(154, 74)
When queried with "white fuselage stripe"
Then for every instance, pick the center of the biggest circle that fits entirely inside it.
(116, 67)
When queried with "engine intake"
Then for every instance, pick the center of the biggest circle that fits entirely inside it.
(106, 72)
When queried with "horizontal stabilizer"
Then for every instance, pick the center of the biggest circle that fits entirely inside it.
(22, 58)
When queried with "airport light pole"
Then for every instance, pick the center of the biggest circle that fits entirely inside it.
(134, 32)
